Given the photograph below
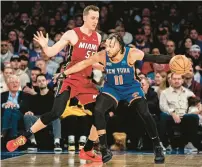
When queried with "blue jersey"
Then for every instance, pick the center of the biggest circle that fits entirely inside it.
(120, 82)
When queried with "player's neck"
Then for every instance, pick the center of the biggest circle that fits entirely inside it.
(86, 30)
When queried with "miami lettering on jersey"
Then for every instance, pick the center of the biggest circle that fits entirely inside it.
(92, 48)
(88, 46)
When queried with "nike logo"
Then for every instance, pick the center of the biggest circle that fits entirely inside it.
(94, 40)
(94, 96)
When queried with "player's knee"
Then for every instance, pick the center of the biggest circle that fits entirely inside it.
(98, 112)
(140, 106)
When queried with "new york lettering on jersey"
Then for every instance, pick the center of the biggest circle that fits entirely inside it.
(119, 73)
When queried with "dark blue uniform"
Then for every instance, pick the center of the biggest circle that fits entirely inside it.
(120, 82)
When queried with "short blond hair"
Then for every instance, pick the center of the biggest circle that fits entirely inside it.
(90, 7)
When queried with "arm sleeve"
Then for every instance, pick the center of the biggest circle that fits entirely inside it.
(160, 59)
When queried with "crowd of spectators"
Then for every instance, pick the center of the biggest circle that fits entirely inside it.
(27, 87)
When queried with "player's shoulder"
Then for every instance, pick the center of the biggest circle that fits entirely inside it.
(70, 33)
(70, 36)
(134, 51)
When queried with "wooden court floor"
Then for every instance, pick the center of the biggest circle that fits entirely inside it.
(123, 160)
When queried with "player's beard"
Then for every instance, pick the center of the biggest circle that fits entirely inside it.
(115, 54)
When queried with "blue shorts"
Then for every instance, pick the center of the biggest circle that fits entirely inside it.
(123, 92)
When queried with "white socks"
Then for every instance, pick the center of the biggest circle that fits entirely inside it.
(82, 139)
(71, 139)
(32, 139)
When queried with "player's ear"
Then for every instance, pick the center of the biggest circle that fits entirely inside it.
(84, 18)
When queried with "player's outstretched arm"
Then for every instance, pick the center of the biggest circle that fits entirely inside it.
(98, 57)
(160, 59)
(57, 47)
(137, 54)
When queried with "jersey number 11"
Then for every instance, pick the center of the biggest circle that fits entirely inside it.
(118, 79)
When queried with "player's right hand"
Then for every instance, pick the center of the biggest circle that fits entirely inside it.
(41, 39)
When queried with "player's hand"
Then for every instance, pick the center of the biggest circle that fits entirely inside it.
(41, 39)
(176, 118)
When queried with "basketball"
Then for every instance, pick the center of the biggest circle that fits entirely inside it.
(180, 64)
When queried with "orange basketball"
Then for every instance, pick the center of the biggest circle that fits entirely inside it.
(180, 64)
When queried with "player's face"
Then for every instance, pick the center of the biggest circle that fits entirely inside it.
(91, 19)
(112, 47)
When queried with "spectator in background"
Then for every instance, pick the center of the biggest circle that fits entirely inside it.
(25, 25)
(52, 28)
(51, 64)
(6, 54)
(15, 64)
(24, 52)
(195, 56)
(170, 48)
(41, 63)
(78, 20)
(37, 9)
(7, 71)
(70, 24)
(174, 106)
(58, 19)
(151, 96)
(169, 73)
(42, 103)
(127, 37)
(146, 20)
(13, 39)
(14, 103)
(186, 46)
(146, 12)
(148, 33)
(60, 57)
(24, 61)
(34, 54)
(160, 82)
(161, 40)
(193, 33)
(192, 85)
(140, 42)
(32, 87)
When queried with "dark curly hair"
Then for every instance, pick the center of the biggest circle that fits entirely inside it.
(119, 39)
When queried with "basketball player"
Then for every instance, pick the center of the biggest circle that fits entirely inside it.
(85, 41)
(120, 85)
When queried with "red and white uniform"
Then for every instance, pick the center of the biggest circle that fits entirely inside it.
(81, 86)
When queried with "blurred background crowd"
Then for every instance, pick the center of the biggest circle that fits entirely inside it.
(27, 88)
